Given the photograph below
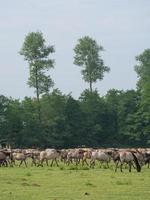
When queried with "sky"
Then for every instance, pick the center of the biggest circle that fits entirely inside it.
(122, 27)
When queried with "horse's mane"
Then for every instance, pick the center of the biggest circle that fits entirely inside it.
(138, 167)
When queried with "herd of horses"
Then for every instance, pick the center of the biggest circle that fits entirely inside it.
(135, 158)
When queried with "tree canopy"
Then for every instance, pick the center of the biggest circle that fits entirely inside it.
(87, 55)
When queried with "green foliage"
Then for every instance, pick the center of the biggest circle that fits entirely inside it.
(143, 71)
(140, 120)
(118, 119)
(87, 55)
(94, 109)
(36, 53)
(114, 120)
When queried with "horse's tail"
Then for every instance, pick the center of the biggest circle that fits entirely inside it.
(138, 167)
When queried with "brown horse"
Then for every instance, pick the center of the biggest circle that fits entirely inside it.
(75, 155)
(20, 157)
(4, 158)
(127, 157)
(147, 159)
(86, 155)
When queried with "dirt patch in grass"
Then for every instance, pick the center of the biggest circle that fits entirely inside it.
(8, 182)
(25, 184)
(24, 179)
(35, 185)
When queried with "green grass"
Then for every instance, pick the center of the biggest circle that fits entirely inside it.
(73, 183)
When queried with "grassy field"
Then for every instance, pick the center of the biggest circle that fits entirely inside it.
(69, 183)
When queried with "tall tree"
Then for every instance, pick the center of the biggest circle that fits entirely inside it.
(143, 71)
(37, 53)
(142, 117)
(87, 55)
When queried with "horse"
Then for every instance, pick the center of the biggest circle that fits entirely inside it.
(20, 157)
(4, 155)
(75, 155)
(63, 155)
(147, 159)
(35, 156)
(86, 155)
(101, 156)
(49, 154)
(127, 157)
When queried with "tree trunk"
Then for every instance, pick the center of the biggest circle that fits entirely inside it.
(37, 95)
(91, 86)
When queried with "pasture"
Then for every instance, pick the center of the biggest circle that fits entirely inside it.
(73, 183)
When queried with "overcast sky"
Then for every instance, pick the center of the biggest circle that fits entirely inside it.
(122, 27)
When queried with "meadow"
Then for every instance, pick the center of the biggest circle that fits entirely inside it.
(73, 183)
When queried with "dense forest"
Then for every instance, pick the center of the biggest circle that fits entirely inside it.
(52, 119)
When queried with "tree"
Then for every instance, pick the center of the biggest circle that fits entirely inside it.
(4, 104)
(74, 123)
(53, 109)
(11, 121)
(95, 118)
(36, 53)
(87, 55)
(143, 71)
(112, 101)
(31, 129)
(141, 119)
(121, 106)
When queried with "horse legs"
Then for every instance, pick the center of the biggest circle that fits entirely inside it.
(56, 162)
(52, 162)
(121, 166)
(84, 161)
(147, 162)
(130, 165)
(107, 164)
(21, 163)
(92, 163)
(40, 163)
(77, 161)
(13, 162)
(33, 162)
(46, 162)
(25, 163)
(116, 166)
(133, 165)
(10, 163)
(68, 161)
(5, 164)
(100, 164)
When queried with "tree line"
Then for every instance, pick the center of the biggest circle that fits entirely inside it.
(52, 119)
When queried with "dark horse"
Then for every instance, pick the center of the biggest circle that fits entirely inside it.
(3, 158)
(126, 157)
